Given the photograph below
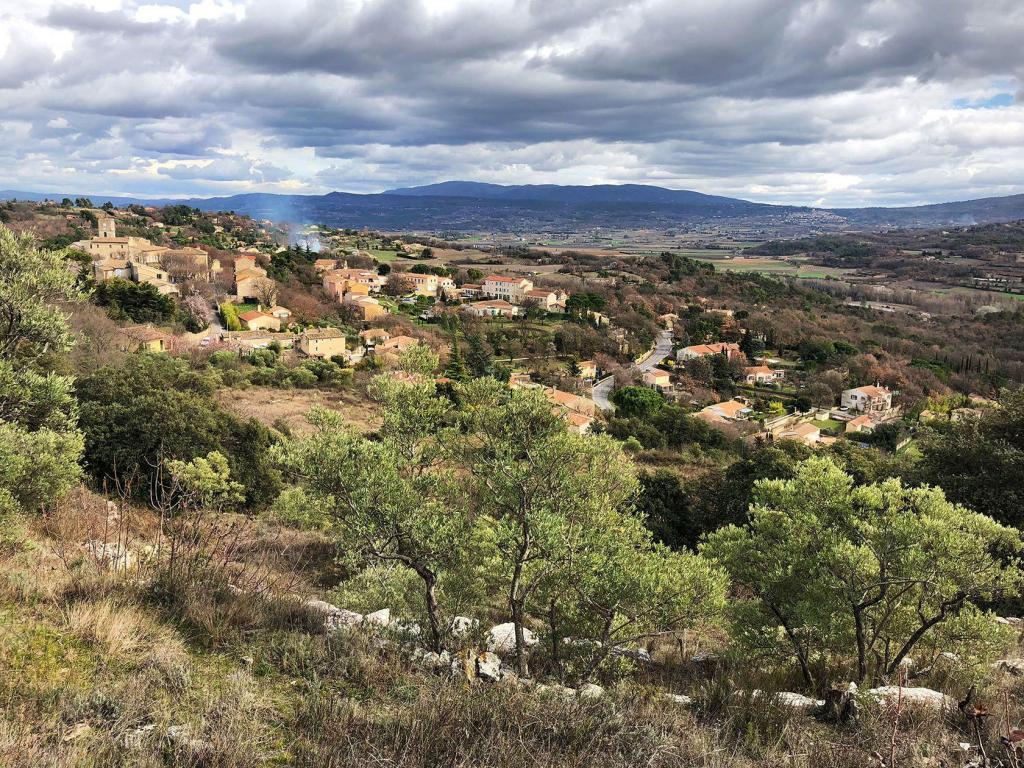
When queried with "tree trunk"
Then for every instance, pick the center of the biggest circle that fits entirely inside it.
(433, 611)
(862, 662)
(556, 638)
(801, 654)
(517, 606)
(920, 632)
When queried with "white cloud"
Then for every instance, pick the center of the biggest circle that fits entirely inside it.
(804, 101)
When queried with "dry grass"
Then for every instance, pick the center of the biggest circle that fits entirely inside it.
(123, 631)
(97, 669)
(271, 406)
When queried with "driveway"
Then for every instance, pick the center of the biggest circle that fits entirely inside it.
(662, 349)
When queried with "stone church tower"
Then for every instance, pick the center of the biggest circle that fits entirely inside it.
(107, 226)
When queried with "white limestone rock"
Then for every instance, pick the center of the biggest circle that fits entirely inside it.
(488, 667)
(335, 618)
(460, 626)
(502, 638)
(590, 691)
(432, 661)
(110, 554)
(379, 618)
(924, 698)
(678, 698)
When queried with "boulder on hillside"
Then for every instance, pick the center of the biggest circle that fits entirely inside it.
(432, 661)
(789, 700)
(555, 690)
(379, 618)
(488, 667)
(678, 698)
(590, 691)
(1013, 667)
(925, 698)
(335, 618)
(110, 554)
(460, 626)
(502, 638)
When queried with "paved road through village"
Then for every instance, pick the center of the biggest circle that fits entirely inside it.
(662, 349)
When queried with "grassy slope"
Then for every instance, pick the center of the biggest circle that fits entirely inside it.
(97, 669)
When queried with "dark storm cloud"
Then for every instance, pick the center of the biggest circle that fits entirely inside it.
(808, 99)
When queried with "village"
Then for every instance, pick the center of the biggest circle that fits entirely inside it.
(386, 311)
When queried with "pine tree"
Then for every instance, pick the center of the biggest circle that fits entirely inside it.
(456, 369)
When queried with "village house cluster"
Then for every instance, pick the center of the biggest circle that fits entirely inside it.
(141, 261)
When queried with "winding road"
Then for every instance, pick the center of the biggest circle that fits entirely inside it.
(662, 349)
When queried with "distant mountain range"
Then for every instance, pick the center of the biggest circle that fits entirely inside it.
(466, 206)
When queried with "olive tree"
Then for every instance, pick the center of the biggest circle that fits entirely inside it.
(39, 441)
(618, 588)
(867, 572)
(542, 488)
(391, 496)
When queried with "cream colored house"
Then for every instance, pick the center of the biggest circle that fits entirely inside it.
(144, 273)
(322, 342)
(549, 301)
(870, 399)
(259, 321)
(658, 379)
(804, 432)
(248, 282)
(510, 289)
(491, 308)
(762, 374)
(366, 307)
(281, 313)
(372, 336)
(429, 285)
(703, 350)
(108, 269)
(587, 368)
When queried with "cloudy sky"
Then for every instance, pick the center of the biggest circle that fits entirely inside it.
(825, 102)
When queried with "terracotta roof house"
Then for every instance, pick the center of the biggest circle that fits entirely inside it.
(804, 432)
(578, 423)
(397, 344)
(259, 321)
(322, 342)
(658, 379)
(869, 399)
(491, 308)
(729, 410)
(374, 335)
(570, 402)
(147, 338)
(862, 423)
(762, 374)
(702, 350)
